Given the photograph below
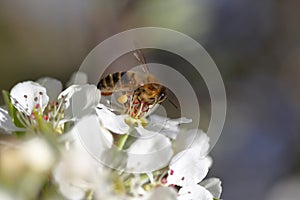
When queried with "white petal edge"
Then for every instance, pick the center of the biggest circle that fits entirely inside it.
(213, 185)
(163, 193)
(194, 192)
(194, 138)
(111, 121)
(80, 101)
(166, 126)
(53, 87)
(78, 78)
(6, 122)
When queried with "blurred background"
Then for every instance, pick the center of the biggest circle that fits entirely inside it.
(255, 44)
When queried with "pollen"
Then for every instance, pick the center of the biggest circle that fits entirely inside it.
(122, 99)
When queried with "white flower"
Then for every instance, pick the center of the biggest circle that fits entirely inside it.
(190, 166)
(28, 95)
(152, 150)
(31, 99)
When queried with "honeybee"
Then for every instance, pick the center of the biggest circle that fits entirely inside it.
(140, 91)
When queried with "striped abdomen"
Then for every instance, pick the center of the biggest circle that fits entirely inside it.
(119, 81)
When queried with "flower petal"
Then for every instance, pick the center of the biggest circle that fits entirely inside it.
(27, 95)
(144, 132)
(74, 174)
(166, 126)
(80, 100)
(78, 171)
(163, 193)
(194, 192)
(213, 185)
(149, 154)
(111, 121)
(78, 78)
(190, 139)
(188, 168)
(5, 195)
(67, 94)
(38, 154)
(53, 87)
(92, 136)
(6, 123)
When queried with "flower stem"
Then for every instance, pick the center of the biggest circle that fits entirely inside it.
(122, 141)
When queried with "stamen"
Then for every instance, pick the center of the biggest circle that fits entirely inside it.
(22, 120)
(32, 116)
(59, 106)
(140, 110)
(41, 102)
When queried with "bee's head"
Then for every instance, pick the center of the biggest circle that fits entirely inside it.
(152, 93)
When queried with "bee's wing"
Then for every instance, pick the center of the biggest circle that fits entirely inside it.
(139, 55)
(130, 81)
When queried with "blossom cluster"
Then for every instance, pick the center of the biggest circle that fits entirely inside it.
(68, 144)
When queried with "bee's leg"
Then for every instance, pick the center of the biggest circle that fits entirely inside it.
(130, 104)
